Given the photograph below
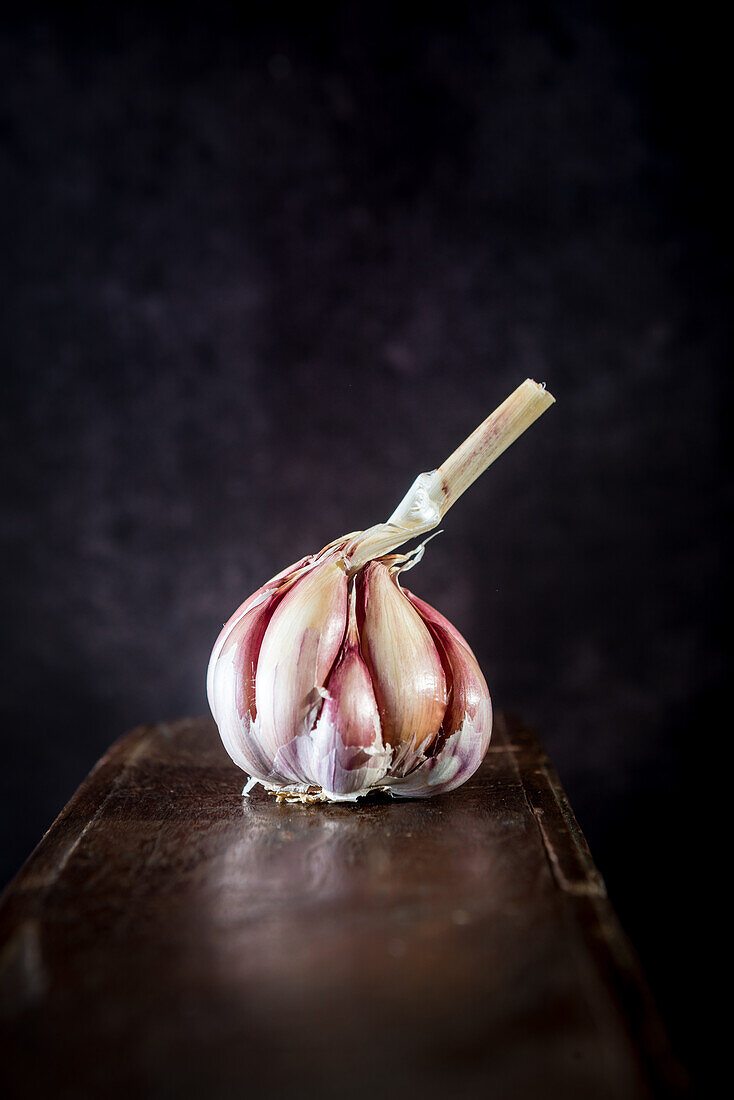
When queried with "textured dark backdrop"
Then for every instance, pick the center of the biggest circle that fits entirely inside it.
(263, 268)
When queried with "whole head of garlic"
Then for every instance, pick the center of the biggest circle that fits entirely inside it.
(328, 686)
(332, 680)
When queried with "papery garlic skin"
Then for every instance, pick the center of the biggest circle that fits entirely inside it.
(326, 685)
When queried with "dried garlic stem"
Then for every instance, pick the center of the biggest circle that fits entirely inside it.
(432, 494)
(491, 438)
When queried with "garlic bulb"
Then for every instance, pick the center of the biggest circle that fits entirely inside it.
(332, 680)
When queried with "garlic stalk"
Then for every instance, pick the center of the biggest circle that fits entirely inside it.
(332, 680)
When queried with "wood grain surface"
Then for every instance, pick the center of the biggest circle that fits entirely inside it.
(169, 938)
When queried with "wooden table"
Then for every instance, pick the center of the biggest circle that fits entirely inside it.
(169, 939)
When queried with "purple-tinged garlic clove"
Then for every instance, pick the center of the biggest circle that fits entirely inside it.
(467, 726)
(299, 648)
(406, 671)
(231, 673)
(469, 692)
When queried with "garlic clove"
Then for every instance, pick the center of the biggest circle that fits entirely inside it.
(466, 729)
(232, 689)
(257, 598)
(469, 711)
(469, 692)
(351, 703)
(406, 671)
(343, 754)
(298, 650)
(231, 673)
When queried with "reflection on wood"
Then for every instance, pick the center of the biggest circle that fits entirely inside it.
(170, 939)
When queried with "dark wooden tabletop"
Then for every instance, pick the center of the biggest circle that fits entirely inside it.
(169, 938)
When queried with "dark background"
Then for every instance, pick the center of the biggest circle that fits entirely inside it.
(262, 268)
